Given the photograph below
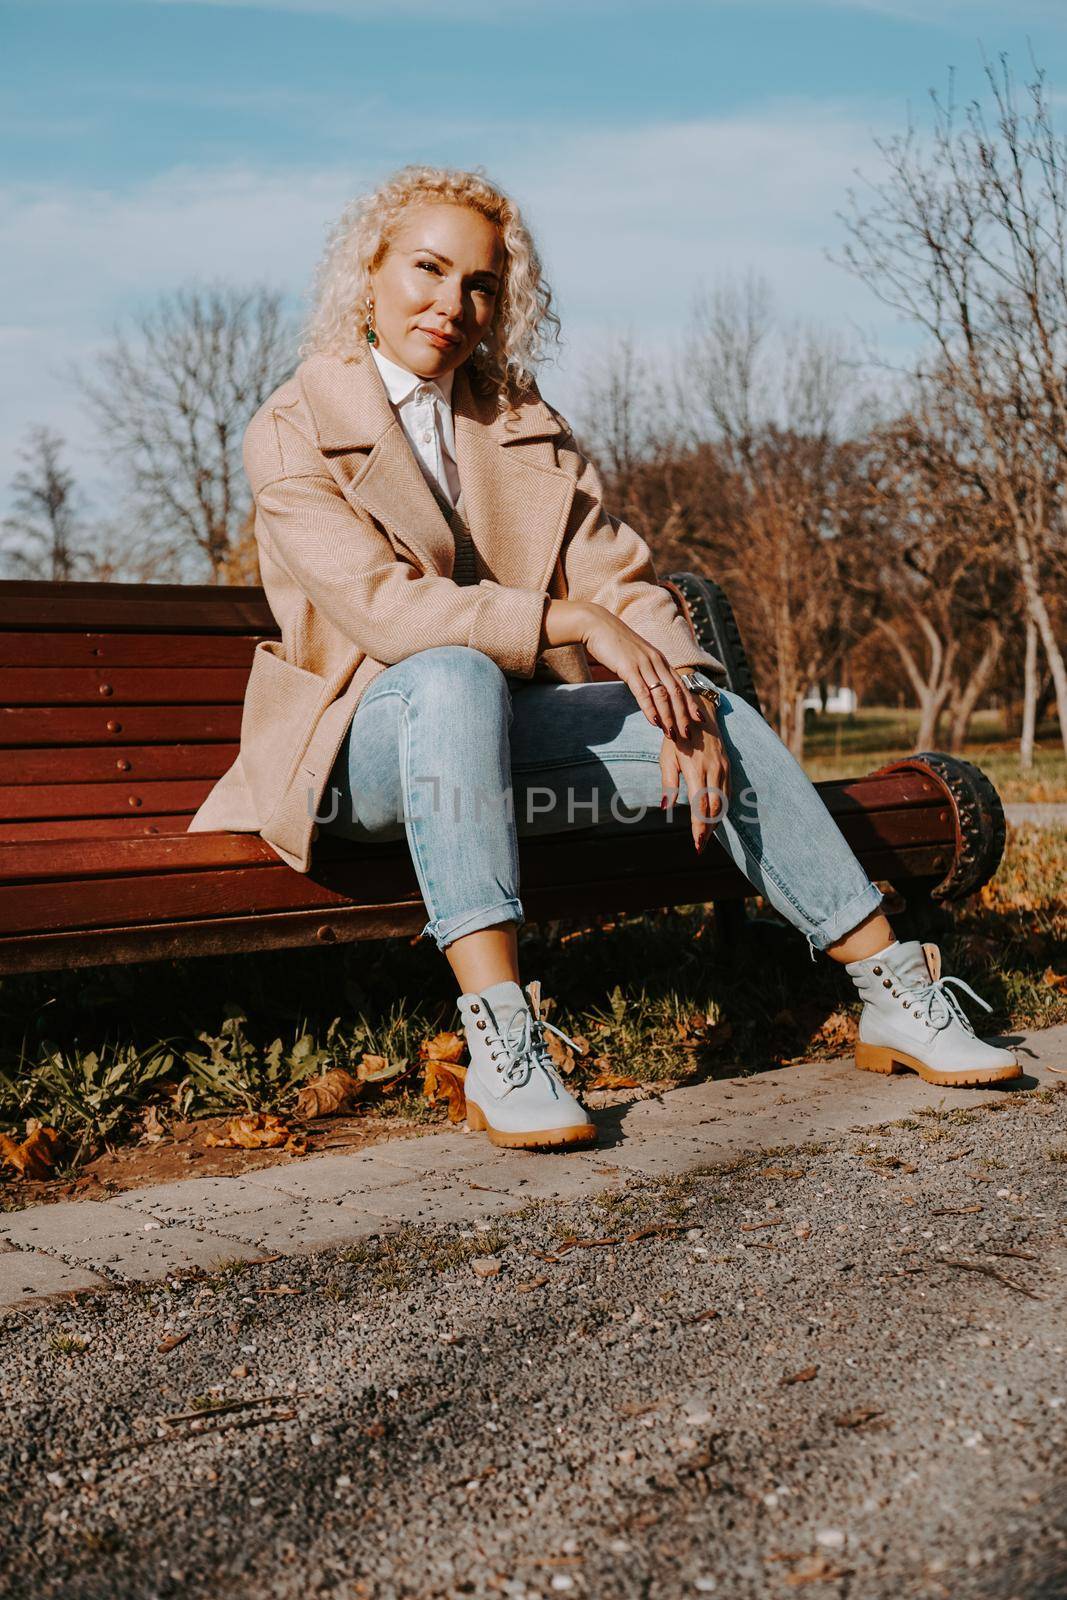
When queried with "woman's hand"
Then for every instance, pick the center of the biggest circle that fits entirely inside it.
(701, 760)
(651, 679)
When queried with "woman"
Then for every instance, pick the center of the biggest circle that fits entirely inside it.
(441, 564)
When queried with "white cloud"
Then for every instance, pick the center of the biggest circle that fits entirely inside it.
(630, 224)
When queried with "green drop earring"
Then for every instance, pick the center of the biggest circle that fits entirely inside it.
(372, 337)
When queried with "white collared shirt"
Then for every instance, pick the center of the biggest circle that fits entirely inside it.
(423, 407)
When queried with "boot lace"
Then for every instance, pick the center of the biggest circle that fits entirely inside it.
(938, 1007)
(525, 1047)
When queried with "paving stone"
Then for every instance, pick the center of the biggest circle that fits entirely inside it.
(199, 1200)
(70, 1222)
(442, 1152)
(414, 1202)
(291, 1227)
(327, 1178)
(144, 1257)
(26, 1274)
(518, 1177)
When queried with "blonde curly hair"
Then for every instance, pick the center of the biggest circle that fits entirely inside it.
(358, 243)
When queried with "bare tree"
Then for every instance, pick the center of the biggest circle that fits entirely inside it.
(173, 400)
(775, 409)
(42, 538)
(935, 582)
(968, 238)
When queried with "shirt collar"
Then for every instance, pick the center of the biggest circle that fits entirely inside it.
(400, 383)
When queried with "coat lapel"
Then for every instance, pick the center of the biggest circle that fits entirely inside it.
(517, 501)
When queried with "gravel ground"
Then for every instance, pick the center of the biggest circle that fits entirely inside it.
(792, 1382)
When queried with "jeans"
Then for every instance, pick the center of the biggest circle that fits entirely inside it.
(464, 759)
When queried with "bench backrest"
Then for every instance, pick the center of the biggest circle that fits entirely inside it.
(121, 702)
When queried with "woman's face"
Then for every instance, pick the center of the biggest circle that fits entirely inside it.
(435, 293)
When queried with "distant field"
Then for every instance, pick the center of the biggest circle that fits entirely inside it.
(847, 747)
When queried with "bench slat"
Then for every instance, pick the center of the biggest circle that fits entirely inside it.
(253, 890)
(95, 828)
(25, 649)
(40, 802)
(59, 726)
(118, 686)
(145, 608)
(94, 765)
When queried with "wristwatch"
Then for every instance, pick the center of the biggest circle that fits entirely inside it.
(698, 682)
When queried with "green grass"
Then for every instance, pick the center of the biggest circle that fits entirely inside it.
(849, 747)
(86, 1051)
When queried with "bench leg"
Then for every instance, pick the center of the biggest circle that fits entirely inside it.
(731, 927)
(922, 917)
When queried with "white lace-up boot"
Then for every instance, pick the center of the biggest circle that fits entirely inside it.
(910, 1019)
(513, 1090)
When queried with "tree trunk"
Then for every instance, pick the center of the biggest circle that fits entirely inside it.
(1053, 654)
(931, 704)
(796, 730)
(931, 688)
(967, 701)
(1026, 738)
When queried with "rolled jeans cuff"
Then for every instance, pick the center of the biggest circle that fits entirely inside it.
(846, 917)
(444, 930)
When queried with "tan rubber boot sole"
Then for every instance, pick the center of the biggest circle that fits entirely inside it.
(543, 1139)
(881, 1058)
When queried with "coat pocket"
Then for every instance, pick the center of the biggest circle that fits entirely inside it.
(281, 707)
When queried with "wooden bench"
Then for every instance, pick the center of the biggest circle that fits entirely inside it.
(121, 705)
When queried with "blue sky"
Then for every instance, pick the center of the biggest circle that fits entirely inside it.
(653, 148)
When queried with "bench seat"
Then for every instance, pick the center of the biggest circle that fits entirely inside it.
(121, 705)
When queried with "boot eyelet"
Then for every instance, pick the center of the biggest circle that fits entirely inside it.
(476, 1008)
(887, 983)
(480, 1024)
(877, 971)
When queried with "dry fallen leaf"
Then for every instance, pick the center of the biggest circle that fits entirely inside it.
(857, 1417)
(327, 1096)
(376, 1069)
(838, 1031)
(445, 1082)
(805, 1375)
(613, 1080)
(36, 1155)
(815, 1569)
(561, 1053)
(172, 1341)
(155, 1129)
(445, 1046)
(1054, 979)
(259, 1130)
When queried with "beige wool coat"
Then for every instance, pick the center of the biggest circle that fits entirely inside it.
(356, 561)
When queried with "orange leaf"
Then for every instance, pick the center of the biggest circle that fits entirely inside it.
(445, 1046)
(838, 1030)
(1055, 980)
(334, 1092)
(444, 1081)
(375, 1069)
(561, 1054)
(260, 1130)
(613, 1080)
(36, 1155)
